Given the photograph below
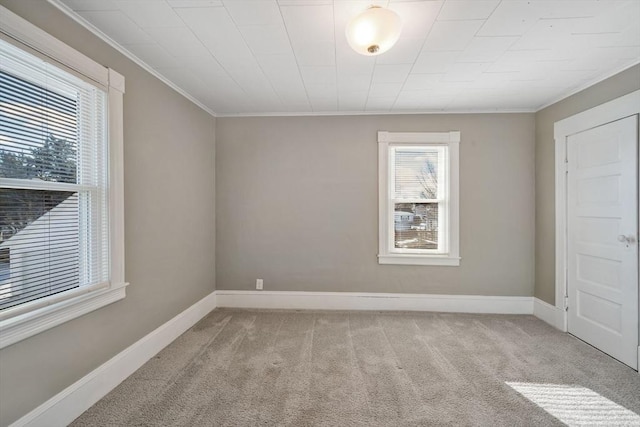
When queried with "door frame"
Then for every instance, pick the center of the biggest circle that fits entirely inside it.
(619, 108)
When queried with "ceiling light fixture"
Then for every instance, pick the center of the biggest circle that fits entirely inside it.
(374, 31)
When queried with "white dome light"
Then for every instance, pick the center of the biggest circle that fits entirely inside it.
(374, 31)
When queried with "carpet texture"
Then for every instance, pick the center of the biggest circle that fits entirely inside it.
(304, 368)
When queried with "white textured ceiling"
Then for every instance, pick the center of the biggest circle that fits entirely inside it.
(291, 56)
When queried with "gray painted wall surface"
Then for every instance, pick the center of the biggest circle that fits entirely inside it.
(297, 205)
(169, 219)
(611, 88)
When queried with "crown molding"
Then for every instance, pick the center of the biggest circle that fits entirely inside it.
(588, 84)
(86, 24)
(93, 29)
(374, 113)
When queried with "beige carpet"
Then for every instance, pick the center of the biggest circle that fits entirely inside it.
(301, 368)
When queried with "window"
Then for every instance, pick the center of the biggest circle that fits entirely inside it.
(60, 182)
(418, 196)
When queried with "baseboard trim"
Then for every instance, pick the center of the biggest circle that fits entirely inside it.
(71, 402)
(374, 301)
(548, 313)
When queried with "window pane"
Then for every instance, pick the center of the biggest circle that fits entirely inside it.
(38, 132)
(39, 244)
(53, 237)
(416, 173)
(416, 225)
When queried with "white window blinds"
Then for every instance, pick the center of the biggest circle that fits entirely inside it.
(417, 180)
(54, 222)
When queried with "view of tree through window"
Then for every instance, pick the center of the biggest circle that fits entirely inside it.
(37, 141)
(38, 227)
(416, 198)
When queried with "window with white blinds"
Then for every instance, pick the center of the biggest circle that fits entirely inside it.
(61, 182)
(54, 228)
(418, 198)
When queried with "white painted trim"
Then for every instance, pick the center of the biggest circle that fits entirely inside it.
(588, 84)
(28, 34)
(616, 109)
(116, 80)
(374, 301)
(105, 38)
(28, 184)
(22, 326)
(613, 110)
(17, 323)
(70, 403)
(86, 24)
(116, 175)
(375, 113)
(450, 255)
(409, 259)
(548, 313)
(385, 137)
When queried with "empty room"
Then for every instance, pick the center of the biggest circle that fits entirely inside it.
(319, 212)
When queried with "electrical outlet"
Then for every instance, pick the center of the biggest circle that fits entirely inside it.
(259, 283)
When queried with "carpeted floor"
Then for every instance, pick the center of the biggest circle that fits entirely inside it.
(303, 368)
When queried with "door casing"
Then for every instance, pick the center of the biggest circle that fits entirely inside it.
(619, 108)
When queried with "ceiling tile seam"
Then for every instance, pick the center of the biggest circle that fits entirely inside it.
(503, 35)
(489, 17)
(335, 53)
(252, 54)
(469, 43)
(211, 53)
(563, 18)
(490, 37)
(129, 55)
(295, 57)
(466, 19)
(618, 46)
(420, 52)
(528, 50)
(375, 62)
(366, 101)
(595, 34)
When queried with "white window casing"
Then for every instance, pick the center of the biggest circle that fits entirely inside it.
(27, 319)
(444, 145)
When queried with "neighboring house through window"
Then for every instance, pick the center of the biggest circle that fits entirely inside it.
(61, 231)
(418, 196)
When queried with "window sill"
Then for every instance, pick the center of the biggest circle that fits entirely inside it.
(443, 260)
(25, 325)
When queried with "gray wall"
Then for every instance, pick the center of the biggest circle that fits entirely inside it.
(297, 205)
(169, 219)
(614, 87)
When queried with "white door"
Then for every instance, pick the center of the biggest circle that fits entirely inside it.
(602, 238)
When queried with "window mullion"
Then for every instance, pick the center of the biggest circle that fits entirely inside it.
(439, 200)
(27, 184)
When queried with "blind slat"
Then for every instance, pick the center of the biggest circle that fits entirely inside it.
(52, 128)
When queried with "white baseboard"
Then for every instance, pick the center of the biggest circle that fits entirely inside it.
(374, 301)
(71, 402)
(548, 313)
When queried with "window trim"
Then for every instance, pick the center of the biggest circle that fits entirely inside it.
(386, 140)
(25, 320)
